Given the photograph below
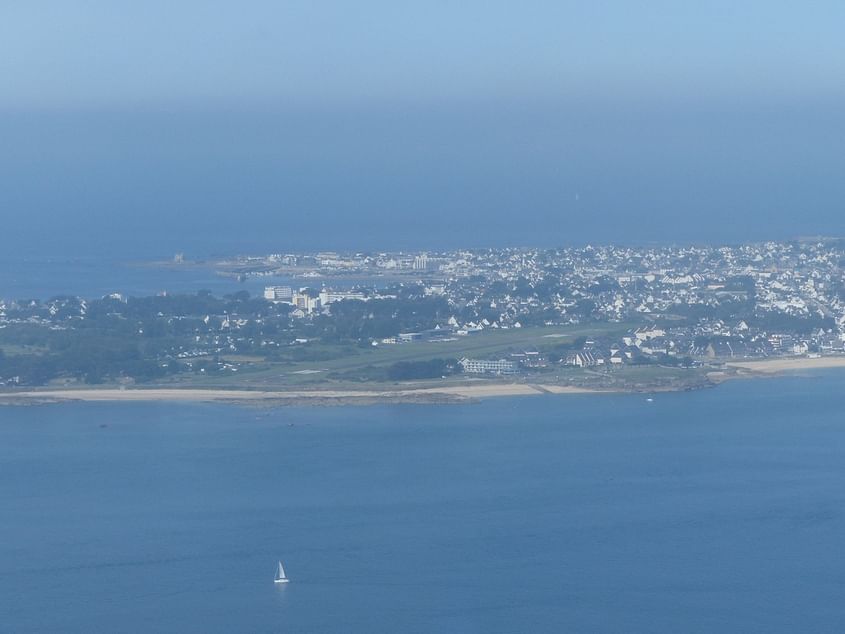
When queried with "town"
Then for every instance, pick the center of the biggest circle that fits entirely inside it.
(432, 315)
(729, 302)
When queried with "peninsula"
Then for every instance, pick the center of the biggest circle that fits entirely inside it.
(442, 326)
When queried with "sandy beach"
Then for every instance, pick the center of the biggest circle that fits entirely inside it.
(434, 394)
(446, 393)
(776, 366)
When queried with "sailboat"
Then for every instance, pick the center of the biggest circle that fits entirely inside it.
(280, 575)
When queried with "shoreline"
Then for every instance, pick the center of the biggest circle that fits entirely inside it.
(734, 370)
(445, 394)
(778, 365)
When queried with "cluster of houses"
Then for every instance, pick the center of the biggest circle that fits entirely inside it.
(612, 283)
(657, 344)
(703, 342)
(752, 300)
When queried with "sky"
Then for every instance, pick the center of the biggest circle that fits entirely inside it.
(147, 127)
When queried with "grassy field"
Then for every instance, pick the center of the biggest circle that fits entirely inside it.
(349, 366)
(362, 361)
(13, 349)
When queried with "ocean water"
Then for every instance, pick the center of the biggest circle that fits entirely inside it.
(716, 511)
(46, 277)
(134, 181)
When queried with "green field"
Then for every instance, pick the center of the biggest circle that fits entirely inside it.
(356, 365)
(12, 349)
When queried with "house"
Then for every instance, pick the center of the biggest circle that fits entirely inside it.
(582, 359)
(648, 332)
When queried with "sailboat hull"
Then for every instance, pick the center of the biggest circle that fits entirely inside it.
(281, 580)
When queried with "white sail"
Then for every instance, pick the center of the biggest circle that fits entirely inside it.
(280, 574)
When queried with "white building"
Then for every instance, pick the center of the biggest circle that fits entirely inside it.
(328, 296)
(279, 294)
(306, 303)
(488, 366)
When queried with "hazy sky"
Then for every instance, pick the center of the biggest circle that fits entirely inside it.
(71, 52)
(246, 123)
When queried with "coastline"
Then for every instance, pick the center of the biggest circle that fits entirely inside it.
(445, 394)
(787, 364)
(435, 394)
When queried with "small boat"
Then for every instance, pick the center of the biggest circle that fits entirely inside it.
(649, 400)
(280, 575)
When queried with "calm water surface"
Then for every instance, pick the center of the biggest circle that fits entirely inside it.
(91, 278)
(721, 510)
(43, 278)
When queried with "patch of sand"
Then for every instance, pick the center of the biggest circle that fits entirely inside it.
(211, 395)
(773, 366)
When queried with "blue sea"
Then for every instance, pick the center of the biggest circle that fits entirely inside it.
(715, 511)
(383, 175)
(46, 277)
